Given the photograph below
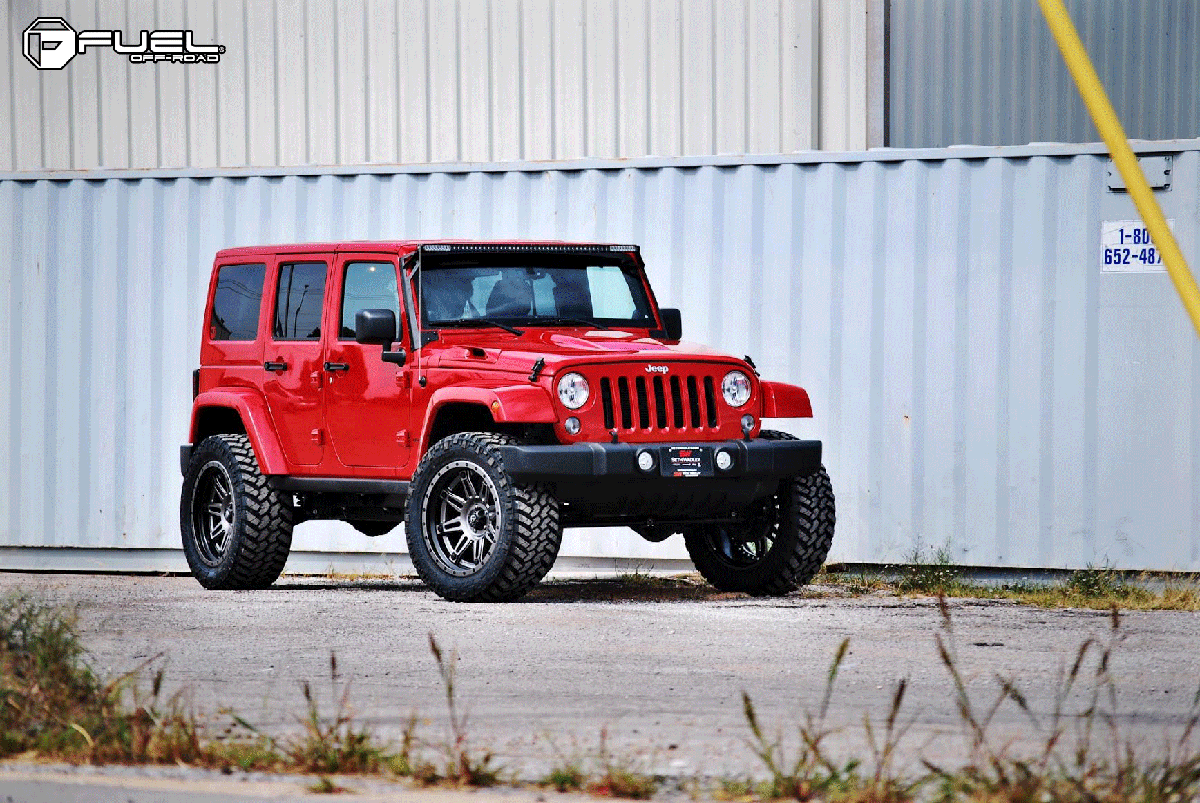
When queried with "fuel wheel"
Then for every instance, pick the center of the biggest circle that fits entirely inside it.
(212, 513)
(463, 517)
(237, 531)
(472, 534)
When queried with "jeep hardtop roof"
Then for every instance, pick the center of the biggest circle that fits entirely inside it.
(408, 246)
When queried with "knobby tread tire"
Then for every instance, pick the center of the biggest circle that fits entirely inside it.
(531, 530)
(262, 538)
(803, 536)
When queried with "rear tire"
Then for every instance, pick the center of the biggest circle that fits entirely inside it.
(473, 535)
(237, 530)
(782, 545)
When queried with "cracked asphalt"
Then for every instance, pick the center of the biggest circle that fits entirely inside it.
(658, 673)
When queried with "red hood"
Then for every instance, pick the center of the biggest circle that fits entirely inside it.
(505, 352)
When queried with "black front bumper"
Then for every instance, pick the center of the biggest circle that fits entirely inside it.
(754, 461)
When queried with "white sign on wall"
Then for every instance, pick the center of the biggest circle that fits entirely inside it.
(1126, 247)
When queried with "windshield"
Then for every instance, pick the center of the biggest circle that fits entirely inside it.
(533, 290)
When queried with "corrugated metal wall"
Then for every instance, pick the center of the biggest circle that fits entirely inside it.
(978, 379)
(988, 73)
(319, 82)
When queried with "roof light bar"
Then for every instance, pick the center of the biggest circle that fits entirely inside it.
(525, 248)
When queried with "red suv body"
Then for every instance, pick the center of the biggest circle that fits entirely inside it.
(487, 394)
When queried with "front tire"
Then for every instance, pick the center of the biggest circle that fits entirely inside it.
(473, 535)
(237, 530)
(782, 545)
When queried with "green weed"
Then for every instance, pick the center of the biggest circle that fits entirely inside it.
(463, 765)
(1094, 588)
(1083, 757)
(620, 776)
(568, 777)
(812, 773)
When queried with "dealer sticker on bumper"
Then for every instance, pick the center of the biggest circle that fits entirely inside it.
(687, 461)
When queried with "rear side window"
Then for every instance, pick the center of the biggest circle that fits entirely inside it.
(368, 285)
(298, 301)
(236, 302)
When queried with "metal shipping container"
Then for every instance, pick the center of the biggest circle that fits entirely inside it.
(989, 73)
(982, 380)
(319, 82)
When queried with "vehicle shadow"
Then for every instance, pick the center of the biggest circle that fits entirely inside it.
(628, 588)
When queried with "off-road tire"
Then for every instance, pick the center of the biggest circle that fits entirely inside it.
(526, 536)
(255, 523)
(795, 529)
(527, 533)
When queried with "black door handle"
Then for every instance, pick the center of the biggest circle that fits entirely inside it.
(337, 366)
(275, 366)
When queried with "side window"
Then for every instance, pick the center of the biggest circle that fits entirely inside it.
(368, 285)
(298, 301)
(236, 302)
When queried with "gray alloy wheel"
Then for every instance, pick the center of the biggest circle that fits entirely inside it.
(212, 512)
(461, 517)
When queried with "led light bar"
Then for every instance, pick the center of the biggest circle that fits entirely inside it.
(524, 249)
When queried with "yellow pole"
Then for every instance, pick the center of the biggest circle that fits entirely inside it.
(1110, 128)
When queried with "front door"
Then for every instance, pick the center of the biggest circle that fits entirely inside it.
(367, 400)
(293, 358)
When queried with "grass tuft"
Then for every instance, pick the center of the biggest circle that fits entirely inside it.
(334, 744)
(620, 776)
(464, 766)
(567, 777)
(1094, 588)
(932, 574)
(1083, 754)
(812, 772)
(326, 786)
(53, 704)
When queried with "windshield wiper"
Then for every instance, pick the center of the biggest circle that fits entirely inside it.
(479, 321)
(562, 319)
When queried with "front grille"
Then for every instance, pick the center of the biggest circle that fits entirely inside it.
(659, 402)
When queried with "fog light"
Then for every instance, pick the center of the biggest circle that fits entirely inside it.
(724, 460)
(572, 425)
(645, 460)
(747, 423)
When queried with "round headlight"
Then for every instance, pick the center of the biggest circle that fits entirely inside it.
(573, 391)
(735, 387)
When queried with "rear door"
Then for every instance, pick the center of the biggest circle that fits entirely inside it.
(367, 401)
(293, 358)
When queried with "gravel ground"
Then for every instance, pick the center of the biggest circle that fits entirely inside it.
(660, 672)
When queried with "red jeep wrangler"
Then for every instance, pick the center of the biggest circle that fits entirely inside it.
(487, 395)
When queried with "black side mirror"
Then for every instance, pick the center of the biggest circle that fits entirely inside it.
(672, 323)
(377, 327)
